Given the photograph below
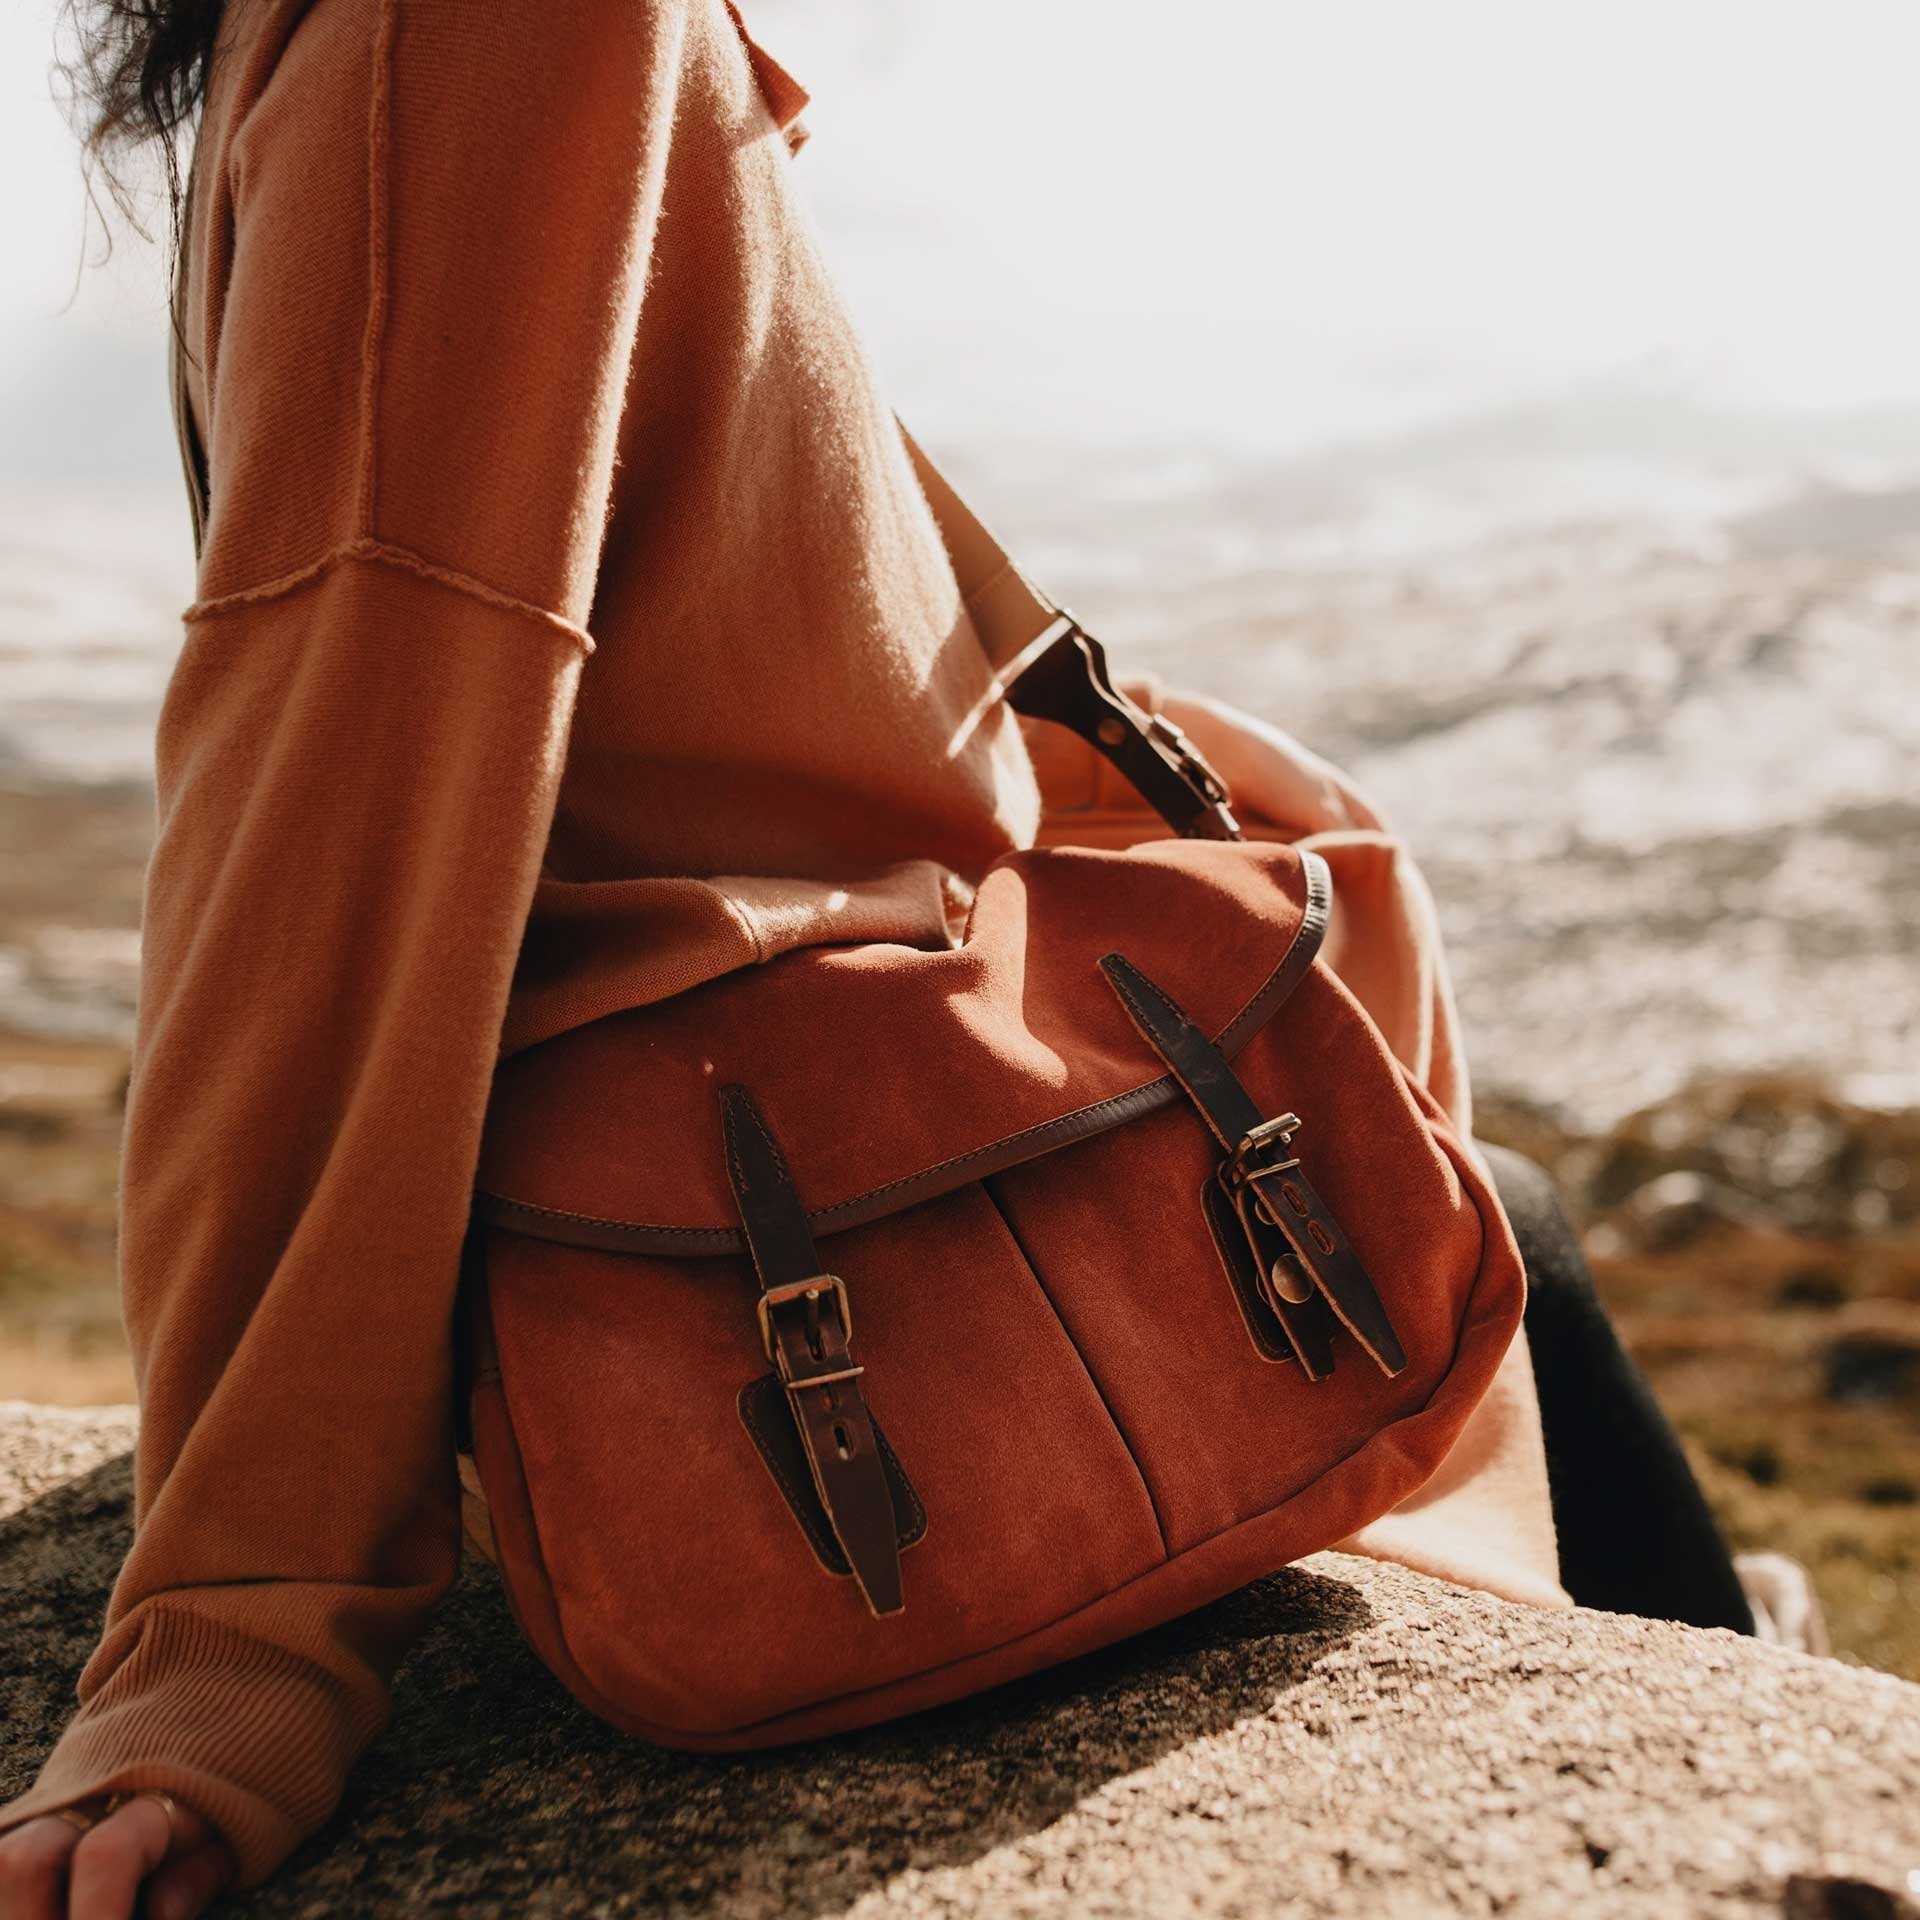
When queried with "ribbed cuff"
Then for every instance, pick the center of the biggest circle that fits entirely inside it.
(255, 1739)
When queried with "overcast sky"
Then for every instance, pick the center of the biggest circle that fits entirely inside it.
(1271, 223)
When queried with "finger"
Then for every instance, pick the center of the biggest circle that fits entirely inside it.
(33, 1868)
(113, 1858)
(188, 1882)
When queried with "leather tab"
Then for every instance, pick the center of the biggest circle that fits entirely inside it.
(1069, 683)
(1200, 1067)
(807, 1325)
(1274, 1190)
(1273, 1197)
(1279, 1329)
(764, 1413)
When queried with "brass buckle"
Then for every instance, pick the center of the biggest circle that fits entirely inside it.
(1280, 1129)
(816, 1284)
(1188, 760)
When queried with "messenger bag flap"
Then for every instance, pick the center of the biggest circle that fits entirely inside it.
(892, 1073)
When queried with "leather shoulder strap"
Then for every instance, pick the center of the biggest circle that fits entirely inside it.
(193, 458)
(1010, 614)
(1047, 665)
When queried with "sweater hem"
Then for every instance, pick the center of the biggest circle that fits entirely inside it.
(252, 1736)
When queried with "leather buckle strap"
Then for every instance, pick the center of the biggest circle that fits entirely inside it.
(805, 1324)
(1069, 682)
(1290, 1229)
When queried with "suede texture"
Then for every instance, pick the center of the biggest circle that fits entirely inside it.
(1054, 1350)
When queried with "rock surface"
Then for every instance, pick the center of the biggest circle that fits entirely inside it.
(1343, 1738)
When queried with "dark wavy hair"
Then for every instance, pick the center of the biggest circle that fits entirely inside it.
(135, 72)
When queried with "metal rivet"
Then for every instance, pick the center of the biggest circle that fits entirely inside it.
(1290, 1284)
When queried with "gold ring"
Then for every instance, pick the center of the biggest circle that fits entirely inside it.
(75, 1818)
(168, 1805)
(171, 1808)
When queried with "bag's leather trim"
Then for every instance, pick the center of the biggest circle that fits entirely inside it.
(1072, 685)
(769, 1424)
(537, 1222)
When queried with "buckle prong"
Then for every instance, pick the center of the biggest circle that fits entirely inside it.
(810, 1289)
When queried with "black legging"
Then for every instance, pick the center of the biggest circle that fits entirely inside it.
(1635, 1532)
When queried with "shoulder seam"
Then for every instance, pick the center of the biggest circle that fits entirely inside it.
(381, 554)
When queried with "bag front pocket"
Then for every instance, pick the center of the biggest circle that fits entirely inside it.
(683, 1583)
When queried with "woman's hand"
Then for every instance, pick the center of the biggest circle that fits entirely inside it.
(54, 1869)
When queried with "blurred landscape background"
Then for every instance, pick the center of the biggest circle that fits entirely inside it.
(1521, 405)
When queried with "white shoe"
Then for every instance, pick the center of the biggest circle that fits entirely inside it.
(1786, 1609)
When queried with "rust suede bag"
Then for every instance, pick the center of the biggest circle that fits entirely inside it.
(856, 1331)
(862, 1329)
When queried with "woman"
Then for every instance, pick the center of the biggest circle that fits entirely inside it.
(570, 629)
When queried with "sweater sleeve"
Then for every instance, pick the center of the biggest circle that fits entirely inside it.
(439, 220)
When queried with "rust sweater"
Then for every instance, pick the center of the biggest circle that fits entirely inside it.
(570, 628)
